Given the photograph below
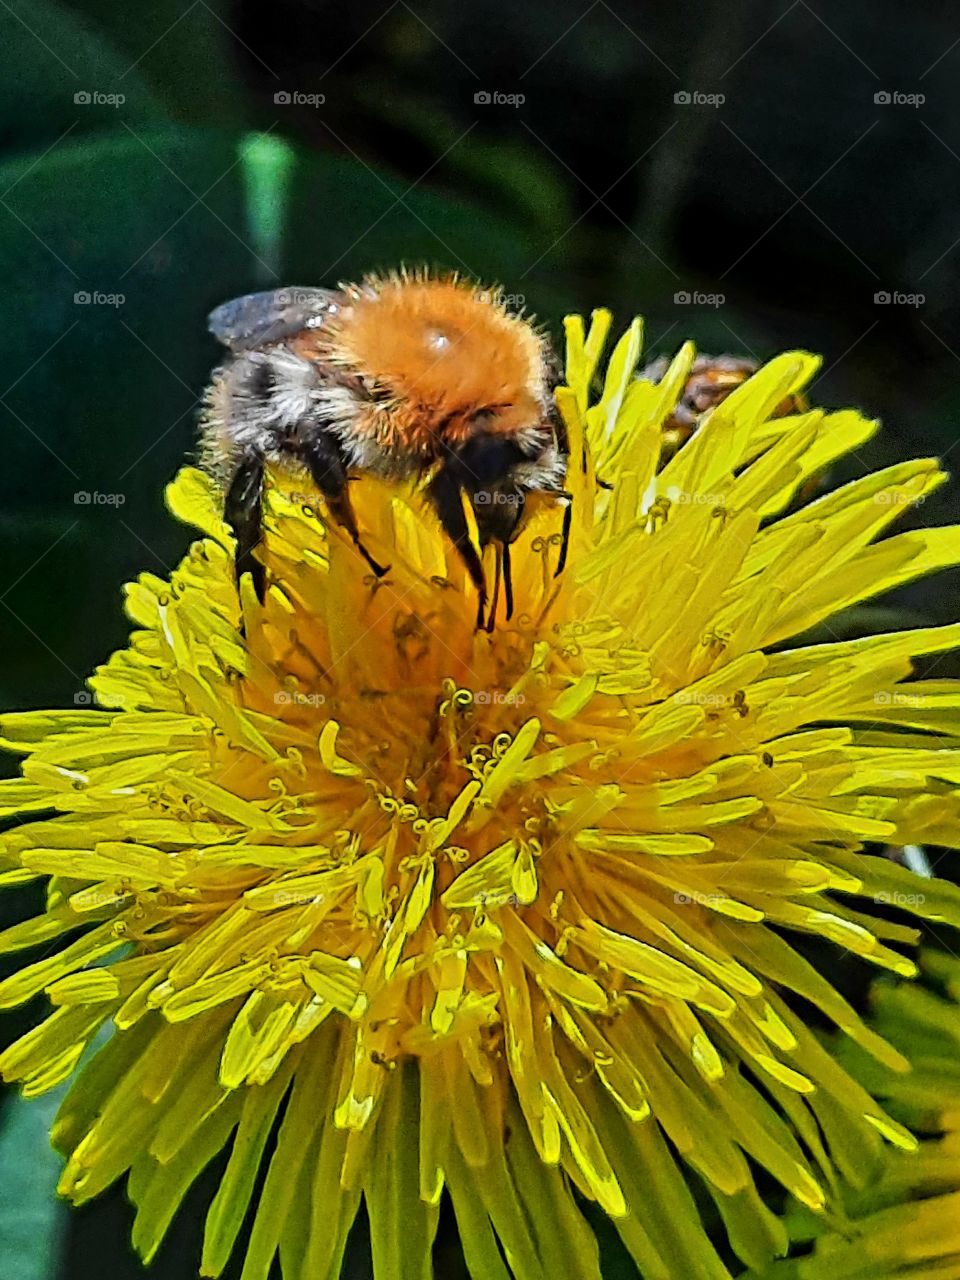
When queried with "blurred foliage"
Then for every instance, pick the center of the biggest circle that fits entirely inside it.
(796, 201)
(32, 1222)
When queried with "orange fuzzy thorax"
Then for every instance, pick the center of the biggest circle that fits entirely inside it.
(444, 351)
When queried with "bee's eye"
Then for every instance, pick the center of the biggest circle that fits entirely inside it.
(487, 459)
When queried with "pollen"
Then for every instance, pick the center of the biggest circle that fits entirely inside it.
(394, 908)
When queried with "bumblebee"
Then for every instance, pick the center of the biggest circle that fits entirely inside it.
(399, 376)
(710, 381)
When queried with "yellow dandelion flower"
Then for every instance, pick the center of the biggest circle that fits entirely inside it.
(391, 906)
(899, 1214)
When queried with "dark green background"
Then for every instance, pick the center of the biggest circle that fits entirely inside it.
(798, 199)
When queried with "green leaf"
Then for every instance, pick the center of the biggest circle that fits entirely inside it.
(32, 1219)
(102, 395)
(51, 56)
(185, 52)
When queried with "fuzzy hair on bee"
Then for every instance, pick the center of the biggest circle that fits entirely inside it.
(405, 375)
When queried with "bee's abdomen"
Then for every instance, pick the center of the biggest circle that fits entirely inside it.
(258, 401)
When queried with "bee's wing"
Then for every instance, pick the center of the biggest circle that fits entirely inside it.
(257, 319)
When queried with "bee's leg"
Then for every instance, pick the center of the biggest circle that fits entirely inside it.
(565, 534)
(321, 456)
(495, 598)
(502, 573)
(499, 518)
(507, 581)
(243, 512)
(444, 493)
